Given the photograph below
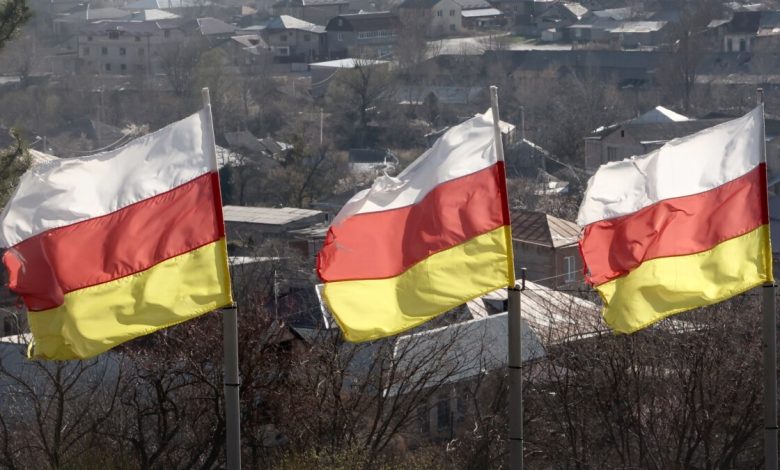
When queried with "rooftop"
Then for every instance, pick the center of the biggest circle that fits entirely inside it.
(269, 215)
(543, 229)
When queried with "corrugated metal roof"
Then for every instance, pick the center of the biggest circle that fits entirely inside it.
(467, 349)
(283, 22)
(637, 27)
(267, 215)
(480, 12)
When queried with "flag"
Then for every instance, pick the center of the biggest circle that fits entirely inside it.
(682, 227)
(414, 246)
(108, 247)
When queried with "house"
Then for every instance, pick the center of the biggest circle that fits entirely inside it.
(367, 35)
(468, 353)
(67, 24)
(247, 227)
(559, 16)
(184, 8)
(437, 17)
(318, 12)
(547, 248)
(124, 47)
(624, 140)
(632, 34)
(79, 136)
(210, 29)
(294, 40)
(768, 35)
(247, 51)
(444, 17)
(740, 33)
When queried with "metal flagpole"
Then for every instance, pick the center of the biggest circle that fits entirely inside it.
(515, 359)
(770, 347)
(232, 410)
(230, 341)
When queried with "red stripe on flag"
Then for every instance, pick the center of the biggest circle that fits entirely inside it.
(45, 267)
(674, 227)
(378, 245)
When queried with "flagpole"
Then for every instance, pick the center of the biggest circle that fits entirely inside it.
(229, 338)
(515, 359)
(770, 343)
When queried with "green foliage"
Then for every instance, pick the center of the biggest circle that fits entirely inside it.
(13, 14)
(14, 161)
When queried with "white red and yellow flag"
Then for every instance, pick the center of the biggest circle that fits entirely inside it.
(684, 226)
(112, 246)
(414, 246)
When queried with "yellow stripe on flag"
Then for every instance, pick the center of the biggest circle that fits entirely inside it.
(97, 318)
(665, 286)
(375, 308)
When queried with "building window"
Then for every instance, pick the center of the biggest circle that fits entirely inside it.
(89, 38)
(423, 418)
(443, 414)
(167, 33)
(439, 12)
(339, 37)
(103, 51)
(113, 35)
(452, 27)
(283, 37)
(85, 51)
(452, 12)
(611, 154)
(138, 39)
(571, 268)
(108, 67)
(122, 51)
(742, 45)
(729, 45)
(123, 67)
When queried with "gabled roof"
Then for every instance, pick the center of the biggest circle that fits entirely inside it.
(348, 63)
(209, 26)
(619, 14)
(466, 349)
(131, 27)
(250, 42)
(151, 15)
(744, 22)
(576, 9)
(473, 4)
(637, 27)
(659, 132)
(373, 21)
(285, 22)
(481, 12)
(287, 217)
(90, 129)
(309, 3)
(91, 14)
(543, 229)
(659, 114)
(166, 4)
(419, 4)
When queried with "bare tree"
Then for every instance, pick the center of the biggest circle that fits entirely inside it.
(54, 414)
